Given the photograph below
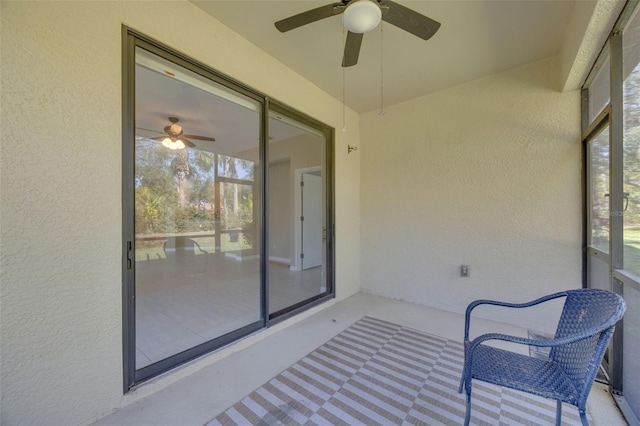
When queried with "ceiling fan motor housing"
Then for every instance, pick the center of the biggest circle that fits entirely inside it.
(361, 16)
(175, 129)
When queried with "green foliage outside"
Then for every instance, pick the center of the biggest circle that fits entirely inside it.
(175, 193)
(632, 250)
(600, 216)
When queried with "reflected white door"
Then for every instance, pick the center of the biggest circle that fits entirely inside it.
(312, 220)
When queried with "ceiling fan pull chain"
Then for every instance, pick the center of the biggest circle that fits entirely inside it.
(381, 73)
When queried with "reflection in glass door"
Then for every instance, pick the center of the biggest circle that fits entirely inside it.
(297, 213)
(197, 228)
(598, 261)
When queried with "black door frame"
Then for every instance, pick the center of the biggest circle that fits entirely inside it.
(130, 40)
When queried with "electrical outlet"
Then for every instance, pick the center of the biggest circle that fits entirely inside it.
(464, 271)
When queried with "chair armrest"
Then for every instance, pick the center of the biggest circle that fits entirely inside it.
(531, 342)
(195, 243)
(470, 347)
(472, 305)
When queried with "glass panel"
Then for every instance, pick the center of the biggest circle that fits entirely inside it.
(197, 258)
(631, 216)
(599, 190)
(631, 165)
(599, 93)
(631, 342)
(236, 168)
(297, 205)
(598, 273)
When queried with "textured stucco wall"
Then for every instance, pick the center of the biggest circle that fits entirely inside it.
(485, 174)
(61, 190)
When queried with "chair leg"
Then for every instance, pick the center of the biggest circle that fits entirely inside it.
(558, 413)
(583, 418)
(467, 416)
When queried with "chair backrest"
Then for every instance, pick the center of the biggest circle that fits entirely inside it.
(591, 314)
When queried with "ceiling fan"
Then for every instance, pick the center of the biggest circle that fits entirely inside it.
(174, 137)
(361, 16)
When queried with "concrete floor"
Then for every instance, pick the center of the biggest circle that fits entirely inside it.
(195, 393)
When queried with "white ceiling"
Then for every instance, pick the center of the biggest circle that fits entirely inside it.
(477, 38)
(203, 108)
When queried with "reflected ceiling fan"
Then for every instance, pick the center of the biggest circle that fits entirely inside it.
(174, 137)
(361, 16)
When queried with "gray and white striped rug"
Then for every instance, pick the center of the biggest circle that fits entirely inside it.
(379, 373)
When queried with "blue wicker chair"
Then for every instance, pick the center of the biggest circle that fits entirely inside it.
(586, 324)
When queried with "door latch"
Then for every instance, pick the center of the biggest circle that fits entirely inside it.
(129, 254)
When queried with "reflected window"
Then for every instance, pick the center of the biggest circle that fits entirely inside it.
(599, 191)
(631, 147)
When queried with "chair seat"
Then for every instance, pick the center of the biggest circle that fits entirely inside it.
(521, 372)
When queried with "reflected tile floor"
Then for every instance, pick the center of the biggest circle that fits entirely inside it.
(188, 300)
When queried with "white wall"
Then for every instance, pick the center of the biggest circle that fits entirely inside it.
(280, 219)
(61, 190)
(486, 174)
(302, 151)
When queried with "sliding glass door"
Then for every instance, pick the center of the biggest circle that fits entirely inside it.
(598, 171)
(197, 198)
(298, 228)
(213, 249)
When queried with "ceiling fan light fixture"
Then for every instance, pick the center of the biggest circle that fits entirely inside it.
(362, 16)
(173, 145)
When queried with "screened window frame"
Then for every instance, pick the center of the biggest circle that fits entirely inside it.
(613, 116)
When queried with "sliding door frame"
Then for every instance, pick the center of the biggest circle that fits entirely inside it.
(130, 40)
(329, 134)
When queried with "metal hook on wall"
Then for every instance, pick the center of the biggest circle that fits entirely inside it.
(351, 148)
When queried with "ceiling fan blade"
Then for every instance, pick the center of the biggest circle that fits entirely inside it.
(199, 138)
(352, 49)
(409, 20)
(158, 138)
(148, 130)
(309, 16)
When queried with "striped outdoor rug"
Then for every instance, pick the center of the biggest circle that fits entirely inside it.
(379, 373)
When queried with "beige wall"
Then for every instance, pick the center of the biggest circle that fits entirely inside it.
(61, 309)
(486, 174)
